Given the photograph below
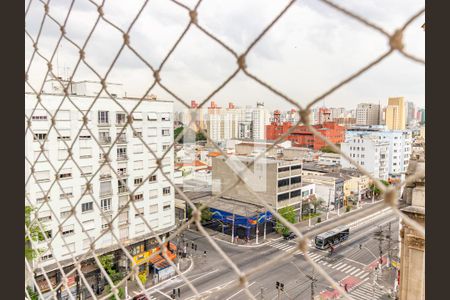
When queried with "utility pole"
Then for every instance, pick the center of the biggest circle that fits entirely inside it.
(329, 198)
(379, 237)
(262, 293)
(265, 222)
(232, 230)
(313, 283)
(309, 209)
(388, 236)
(257, 231)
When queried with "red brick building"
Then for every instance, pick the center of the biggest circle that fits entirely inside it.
(302, 136)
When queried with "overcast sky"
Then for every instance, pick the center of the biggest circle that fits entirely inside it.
(310, 49)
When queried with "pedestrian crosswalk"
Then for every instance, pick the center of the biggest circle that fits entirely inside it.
(366, 291)
(320, 259)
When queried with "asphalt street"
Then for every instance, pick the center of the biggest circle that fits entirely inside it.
(352, 264)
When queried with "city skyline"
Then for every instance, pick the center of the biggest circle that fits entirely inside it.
(316, 56)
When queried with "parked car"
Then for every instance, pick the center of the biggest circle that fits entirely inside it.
(290, 236)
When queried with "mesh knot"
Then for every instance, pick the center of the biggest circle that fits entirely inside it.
(53, 120)
(396, 40)
(242, 280)
(129, 119)
(29, 123)
(49, 66)
(69, 152)
(103, 83)
(126, 39)
(100, 11)
(35, 46)
(62, 29)
(304, 115)
(390, 197)
(85, 120)
(42, 147)
(82, 54)
(32, 170)
(193, 14)
(38, 98)
(46, 8)
(241, 62)
(66, 91)
(156, 76)
(303, 245)
(197, 215)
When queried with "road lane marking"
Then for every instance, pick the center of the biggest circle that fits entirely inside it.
(342, 266)
(240, 291)
(346, 268)
(349, 270)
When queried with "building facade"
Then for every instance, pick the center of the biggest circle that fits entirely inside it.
(368, 114)
(97, 201)
(398, 154)
(396, 114)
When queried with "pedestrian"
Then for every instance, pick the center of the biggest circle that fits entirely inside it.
(346, 287)
(195, 248)
(204, 253)
(360, 246)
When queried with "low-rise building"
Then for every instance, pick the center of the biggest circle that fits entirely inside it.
(329, 188)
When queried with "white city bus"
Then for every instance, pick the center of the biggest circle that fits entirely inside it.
(333, 237)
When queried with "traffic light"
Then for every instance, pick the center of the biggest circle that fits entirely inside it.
(282, 286)
(179, 293)
(277, 285)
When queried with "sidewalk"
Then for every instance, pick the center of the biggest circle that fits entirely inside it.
(225, 238)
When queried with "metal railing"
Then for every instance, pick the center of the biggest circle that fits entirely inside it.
(394, 41)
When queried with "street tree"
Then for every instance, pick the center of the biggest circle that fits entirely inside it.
(107, 262)
(289, 214)
(375, 189)
(34, 233)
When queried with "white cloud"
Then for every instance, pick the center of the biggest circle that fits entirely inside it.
(310, 49)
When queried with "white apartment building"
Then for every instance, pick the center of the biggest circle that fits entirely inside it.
(368, 114)
(368, 151)
(107, 192)
(399, 146)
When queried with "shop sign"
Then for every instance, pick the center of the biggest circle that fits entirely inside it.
(143, 257)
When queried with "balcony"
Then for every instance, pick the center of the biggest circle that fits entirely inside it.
(123, 189)
(122, 157)
(105, 176)
(122, 173)
(103, 124)
(121, 123)
(121, 140)
(105, 193)
(105, 140)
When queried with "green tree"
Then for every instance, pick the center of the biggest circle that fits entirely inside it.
(177, 132)
(107, 262)
(200, 136)
(206, 213)
(35, 234)
(289, 214)
(33, 295)
(375, 189)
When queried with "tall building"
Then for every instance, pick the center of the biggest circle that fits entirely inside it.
(396, 114)
(421, 116)
(368, 114)
(410, 112)
(400, 146)
(337, 112)
(109, 189)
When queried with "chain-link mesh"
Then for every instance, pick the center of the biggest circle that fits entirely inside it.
(35, 227)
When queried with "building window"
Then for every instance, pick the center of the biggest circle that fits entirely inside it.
(122, 171)
(85, 152)
(151, 132)
(40, 136)
(67, 193)
(152, 117)
(284, 196)
(139, 212)
(296, 167)
(46, 257)
(166, 207)
(42, 176)
(105, 204)
(165, 147)
(105, 222)
(138, 149)
(296, 193)
(296, 179)
(152, 178)
(137, 133)
(68, 230)
(153, 208)
(165, 132)
(166, 191)
(138, 181)
(121, 119)
(104, 137)
(165, 117)
(87, 207)
(122, 153)
(138, 197)
(283, 182)
(153, 194)
(39, 118)
(86, 170)
(65, 174)
(284, 169)
(138, 165)
(103, 118)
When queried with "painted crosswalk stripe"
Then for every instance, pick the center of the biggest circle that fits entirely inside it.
(346, 268)
(359, 273)
(312, 255)
(349, 270)
(354, 271)
(364, 276)
(335, 266)
(341, 266)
